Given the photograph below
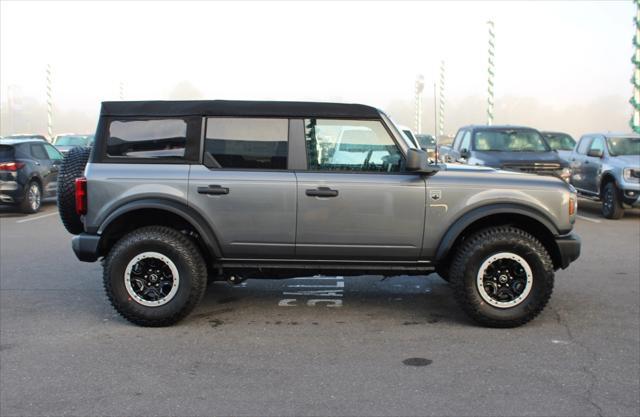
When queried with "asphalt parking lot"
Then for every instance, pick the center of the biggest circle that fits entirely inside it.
(316, 345)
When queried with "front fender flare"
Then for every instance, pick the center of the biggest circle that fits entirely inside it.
(464, 221)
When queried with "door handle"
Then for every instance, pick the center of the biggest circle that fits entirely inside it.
(213, 189)
(322, 192)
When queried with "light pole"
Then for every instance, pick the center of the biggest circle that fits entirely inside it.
(490, 72)
(121, 90)
(419, 89)
(441, 108)
(635, 79)
(49, 104)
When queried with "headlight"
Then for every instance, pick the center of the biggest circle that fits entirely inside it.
(565, 174)
(631, 174)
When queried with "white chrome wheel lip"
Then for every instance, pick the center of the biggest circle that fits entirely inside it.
(480, 280)
(174, 272)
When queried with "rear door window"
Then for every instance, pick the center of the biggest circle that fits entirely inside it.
(246, 143)
(38, 152)
(166, 139)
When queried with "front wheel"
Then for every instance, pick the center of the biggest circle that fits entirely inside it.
(155, 276)
(611, 204)
(502, 277)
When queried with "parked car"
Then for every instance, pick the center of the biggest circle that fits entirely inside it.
(409, 134)
(606, 167)
(28, 173)
(174, 192)
(512, 148)
(560, 142)
(67, 141)
(428, 144)
(26, 136)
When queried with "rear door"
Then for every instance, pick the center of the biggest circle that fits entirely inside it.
(244, 187)
(56, 160)
(355, 201)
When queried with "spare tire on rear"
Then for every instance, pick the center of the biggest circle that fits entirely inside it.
(72, 167)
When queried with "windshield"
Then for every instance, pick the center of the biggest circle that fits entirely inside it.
(426, 141)
(75, 140)
(560, 141)
(624, 146)
(509, 140)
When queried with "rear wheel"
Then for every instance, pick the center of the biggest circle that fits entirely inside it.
(611, 204)
(32, 200)
(155, 276)
(502, 277)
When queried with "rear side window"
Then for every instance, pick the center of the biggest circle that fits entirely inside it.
(6, 153)
(38, 152)
(246, 143)
(153, 139)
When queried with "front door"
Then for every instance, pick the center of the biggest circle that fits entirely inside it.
(592, 165)
(354, 200)
(243, 187)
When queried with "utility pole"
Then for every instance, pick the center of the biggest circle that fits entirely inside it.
(490, 72)
(441, 108)
(635, 79)
(435, 112)
(419, 89)
(49, 104)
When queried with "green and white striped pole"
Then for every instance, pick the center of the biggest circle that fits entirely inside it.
(635, 79)
(442, 102)
(419, 89)
(49, 104)
(490, 72)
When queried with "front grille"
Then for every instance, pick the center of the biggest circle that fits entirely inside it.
(544, 168)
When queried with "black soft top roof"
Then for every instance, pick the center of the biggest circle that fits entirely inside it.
(237, 108)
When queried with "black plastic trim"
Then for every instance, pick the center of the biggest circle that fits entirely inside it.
(569, 248)
(85, 246)
(476, 214)
(187, 213)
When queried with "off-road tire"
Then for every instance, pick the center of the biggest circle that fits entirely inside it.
(181, 250)
(479, 247)
(72, 167)
(611, 204)
(25, 205)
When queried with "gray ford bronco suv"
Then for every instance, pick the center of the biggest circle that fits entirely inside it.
(174, 194)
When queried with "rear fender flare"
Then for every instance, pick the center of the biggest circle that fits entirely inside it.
(187, 213)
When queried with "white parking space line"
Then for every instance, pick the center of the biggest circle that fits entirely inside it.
(28, 219)
(589, 219)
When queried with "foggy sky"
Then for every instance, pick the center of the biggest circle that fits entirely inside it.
(561, 66)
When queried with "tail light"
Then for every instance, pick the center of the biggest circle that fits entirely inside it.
(11, 166)
(81, 196)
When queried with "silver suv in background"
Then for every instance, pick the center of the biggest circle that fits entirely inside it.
(174, 194)
(606, 167)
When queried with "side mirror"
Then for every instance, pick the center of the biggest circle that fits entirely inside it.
(417, 162)
(464, 153)
(596, 153)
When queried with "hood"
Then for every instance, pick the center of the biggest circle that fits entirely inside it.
(497, 159)
(624, 161)
(64, 149)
